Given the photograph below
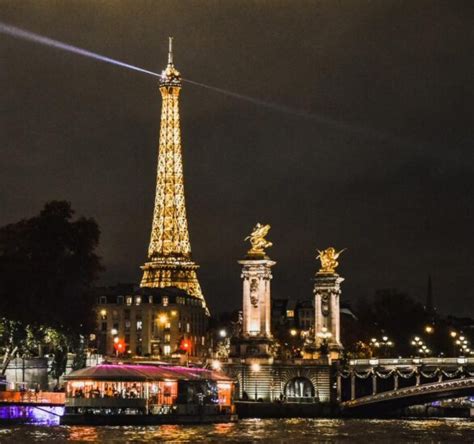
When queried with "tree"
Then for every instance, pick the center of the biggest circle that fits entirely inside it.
(48, 265)
(12, 341)
(59, 344)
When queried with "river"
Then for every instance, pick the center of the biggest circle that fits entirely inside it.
(257, 430)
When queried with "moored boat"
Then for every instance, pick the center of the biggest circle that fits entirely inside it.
(113, 394)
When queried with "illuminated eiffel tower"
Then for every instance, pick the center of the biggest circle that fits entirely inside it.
(169, 254)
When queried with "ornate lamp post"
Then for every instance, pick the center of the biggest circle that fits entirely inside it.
(421, 347)
(384, 344)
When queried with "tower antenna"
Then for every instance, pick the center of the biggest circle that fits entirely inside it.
(170, 50)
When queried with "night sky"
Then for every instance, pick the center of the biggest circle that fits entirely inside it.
(383, 166)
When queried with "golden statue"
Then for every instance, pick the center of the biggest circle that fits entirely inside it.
(328, 258)
(258, 241)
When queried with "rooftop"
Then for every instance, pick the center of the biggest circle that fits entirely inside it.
(142, 373)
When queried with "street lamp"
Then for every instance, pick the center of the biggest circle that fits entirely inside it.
(429, 329)
(222, 333)
(384, 344)
(162, 319)
(293, 332)
(418, 343)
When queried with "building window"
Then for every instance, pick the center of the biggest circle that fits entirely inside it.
(290, 313)
(129, 300)
(188, 327)
(103, 327)
(203, 340)
(167, 337)
(120, 300)
(114, 314)
(164, 301)
(168, 325)
(126, 314)
(138, 300)
(150, 299)
(127, 325)
(103, 314)
(139, 325)
(167, 349)
(103, 300)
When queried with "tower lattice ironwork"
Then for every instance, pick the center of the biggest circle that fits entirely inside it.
(169, 254)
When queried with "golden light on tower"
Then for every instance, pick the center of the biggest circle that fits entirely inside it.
(169, 253)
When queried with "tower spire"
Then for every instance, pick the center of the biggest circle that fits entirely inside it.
(169, 253)
(170, 50)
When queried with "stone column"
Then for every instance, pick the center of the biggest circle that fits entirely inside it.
(339, 388)
(256, 274)
(353, 386)
(326, 304)
(374, 384)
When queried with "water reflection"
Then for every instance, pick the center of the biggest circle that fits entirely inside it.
(273, 431)
(83, 434)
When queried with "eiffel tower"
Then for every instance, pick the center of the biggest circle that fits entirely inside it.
(169, 254)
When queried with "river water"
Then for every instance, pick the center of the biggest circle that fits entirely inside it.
(257, 430)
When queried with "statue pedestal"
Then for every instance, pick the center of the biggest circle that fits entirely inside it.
(327, 291)
(255, 339)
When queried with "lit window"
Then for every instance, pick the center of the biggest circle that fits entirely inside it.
(139, 325)
(290, 313)
(168, 325)
(138, 300)
(167, 349)
(150, 299)
(203, 340)
(167, 337)
(164, 301)
(103, 314)
(129, 300)
(188, 327)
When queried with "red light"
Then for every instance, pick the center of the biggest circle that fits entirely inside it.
(119, 345)
(185, 345)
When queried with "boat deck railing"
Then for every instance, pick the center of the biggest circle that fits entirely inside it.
(32, 398)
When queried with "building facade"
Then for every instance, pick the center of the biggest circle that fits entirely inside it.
(151, 322)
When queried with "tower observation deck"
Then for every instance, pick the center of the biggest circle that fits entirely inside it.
(169, 254)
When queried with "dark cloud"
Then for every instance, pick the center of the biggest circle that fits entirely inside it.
(392, 181)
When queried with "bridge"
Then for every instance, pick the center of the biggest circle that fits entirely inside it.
(379, 386)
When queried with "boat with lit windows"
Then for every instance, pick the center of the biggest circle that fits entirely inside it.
(128, 394)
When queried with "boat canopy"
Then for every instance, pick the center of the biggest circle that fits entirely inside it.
(142, 373)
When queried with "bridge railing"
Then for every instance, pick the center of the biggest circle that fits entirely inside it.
(410, 361)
